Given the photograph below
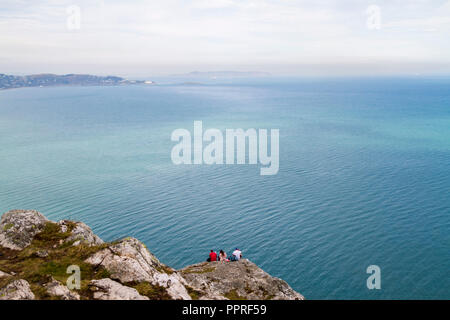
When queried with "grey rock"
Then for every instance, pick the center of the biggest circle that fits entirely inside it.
(80, 234)
(55, 288)
(4, 274)
(17, 290)
(107, 289)
(41, 253)
(232, 280)
(129, 261)
(18, 228)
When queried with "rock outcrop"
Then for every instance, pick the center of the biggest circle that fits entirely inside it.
(57, 289)
(81, 233)
(17, 290)
(236, 280)
(129, 261)
(18, 227)
(36, 252)
(107, 289)
(4, 274)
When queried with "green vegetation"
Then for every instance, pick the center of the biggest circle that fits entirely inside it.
(154, 292)
(8, 226)
(37, 269)
(233, 295)
(195, 295)
(198, 270)
(164, 269)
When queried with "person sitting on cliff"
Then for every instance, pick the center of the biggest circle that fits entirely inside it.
(223, 256)
(212, 256)
(236, 255)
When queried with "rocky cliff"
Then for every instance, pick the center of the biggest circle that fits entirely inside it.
(36, 255)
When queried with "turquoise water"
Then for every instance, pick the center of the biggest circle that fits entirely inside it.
(364, 176)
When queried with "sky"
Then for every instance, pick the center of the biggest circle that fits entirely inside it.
(287, 37)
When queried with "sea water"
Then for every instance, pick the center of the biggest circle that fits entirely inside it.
(364, 175)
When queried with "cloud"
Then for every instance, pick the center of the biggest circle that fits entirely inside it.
(154, 35)
(213, 4)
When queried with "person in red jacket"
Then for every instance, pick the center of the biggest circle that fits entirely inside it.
(212, 256)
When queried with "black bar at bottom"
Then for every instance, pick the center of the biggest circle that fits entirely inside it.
(218, 309)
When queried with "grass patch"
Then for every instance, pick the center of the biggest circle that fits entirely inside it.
(8, 226)
(199, 271)
(154, 292)
(40, 292)
(4, 281)
(27, 265)
(233, 295)
(164, 269)
(51, 234)
(195, 294)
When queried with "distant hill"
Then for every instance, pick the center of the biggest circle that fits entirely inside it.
(45, 80)
(223, 74)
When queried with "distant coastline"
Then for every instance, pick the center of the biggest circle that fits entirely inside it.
(223, 74)
(48, 80)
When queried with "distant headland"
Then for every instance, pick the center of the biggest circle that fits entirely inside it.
(223, 74)
(47, 80)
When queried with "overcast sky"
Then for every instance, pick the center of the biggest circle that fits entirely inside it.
(156, 37)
